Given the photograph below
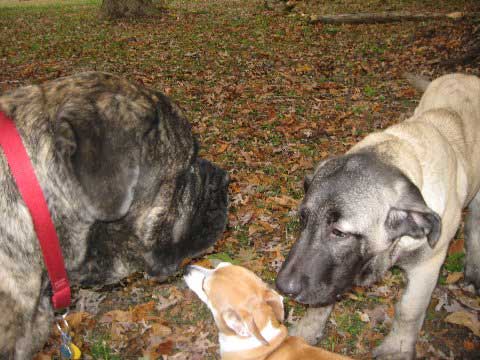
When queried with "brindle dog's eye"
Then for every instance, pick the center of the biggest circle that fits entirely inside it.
(338, 233)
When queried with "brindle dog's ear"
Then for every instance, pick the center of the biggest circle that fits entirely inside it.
(98, 157)
(414, 223)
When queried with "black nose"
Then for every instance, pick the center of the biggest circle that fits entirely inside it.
(288, 285)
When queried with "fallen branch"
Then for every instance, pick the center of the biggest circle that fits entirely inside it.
(383, 17)
(467, 58)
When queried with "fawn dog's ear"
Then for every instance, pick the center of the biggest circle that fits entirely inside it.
(412, 217)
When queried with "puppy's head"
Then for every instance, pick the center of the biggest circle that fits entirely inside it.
(358, 218)
(241, 303)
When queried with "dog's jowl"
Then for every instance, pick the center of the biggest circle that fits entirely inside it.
(394, 199)
(118, 166)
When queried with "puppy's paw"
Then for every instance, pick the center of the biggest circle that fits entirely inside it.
(311, 326)
(472, 272)
(392, 350)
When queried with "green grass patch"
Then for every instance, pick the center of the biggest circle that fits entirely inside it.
(243, 238)
(357, 109)
(298, 309)
(454, 262)
(101, 351)
(293, 225)
(370, 91)
(350, 323)
(396, 271)
(331, 30)
(222, 256)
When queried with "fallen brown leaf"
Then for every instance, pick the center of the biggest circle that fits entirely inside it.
(466, 319)
(284, 200)
(452, 278)
(117, 315)
(456, 246)
(161, 330)
(468, 345)
(141, 311)
(204, 263)
(221, 149)
(42, 356)
(78, 319)
(165, 348)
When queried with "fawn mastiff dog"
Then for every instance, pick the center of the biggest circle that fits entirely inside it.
(249, 316)
(105, 151)
(395, 198)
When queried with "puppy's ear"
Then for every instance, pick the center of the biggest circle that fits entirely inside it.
(242, 324)
(98, 158)
(275, 301)
(416, 224)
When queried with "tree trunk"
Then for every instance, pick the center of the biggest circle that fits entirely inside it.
(127, 8)
(384, 17)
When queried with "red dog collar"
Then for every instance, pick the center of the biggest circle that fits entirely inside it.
(29, 188)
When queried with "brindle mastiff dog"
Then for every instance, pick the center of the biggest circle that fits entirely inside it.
(395, 198)
(104, 151)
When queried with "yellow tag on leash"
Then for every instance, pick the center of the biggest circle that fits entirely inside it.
(76, 353)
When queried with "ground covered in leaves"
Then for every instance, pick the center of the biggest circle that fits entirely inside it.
(268, 95)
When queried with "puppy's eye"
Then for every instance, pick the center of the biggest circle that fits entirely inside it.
(338, 233)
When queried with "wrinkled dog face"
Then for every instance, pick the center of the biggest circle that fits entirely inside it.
(156, 200)
(184, 217)
(195, 218)
(354, 214)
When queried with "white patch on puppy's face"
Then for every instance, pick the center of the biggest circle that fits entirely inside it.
(195, 279)
(222, 265)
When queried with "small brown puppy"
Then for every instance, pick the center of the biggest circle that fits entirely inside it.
(248, 315)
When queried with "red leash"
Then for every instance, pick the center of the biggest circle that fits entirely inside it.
(28, 186)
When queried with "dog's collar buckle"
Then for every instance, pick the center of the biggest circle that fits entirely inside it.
(27, 183)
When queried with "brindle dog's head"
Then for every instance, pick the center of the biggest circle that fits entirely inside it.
(132, 154)
(192, 222)
(358, 218)
(126, 190)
